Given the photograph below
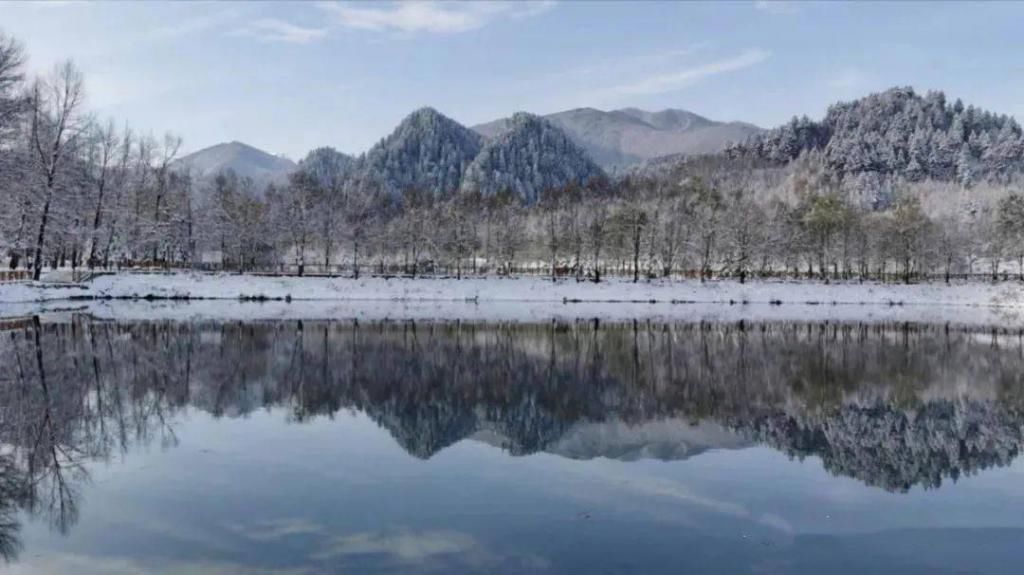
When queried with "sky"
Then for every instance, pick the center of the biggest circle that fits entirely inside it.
(289, 77)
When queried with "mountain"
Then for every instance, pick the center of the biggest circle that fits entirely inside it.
(329, 167)
(427, 150)
(900, 133)
(530, 156)
(245, 160)
(663, 439)
(669, 119)
(623, 137)
(668, 439)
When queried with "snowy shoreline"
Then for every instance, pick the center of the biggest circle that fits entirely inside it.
(515, 312)
(241, 297)
(527, 289)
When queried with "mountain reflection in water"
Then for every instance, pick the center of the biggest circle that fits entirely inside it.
(891, 405)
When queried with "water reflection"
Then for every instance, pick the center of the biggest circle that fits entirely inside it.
(891, 405)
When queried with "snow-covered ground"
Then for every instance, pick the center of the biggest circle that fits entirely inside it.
(522, 312)
(525, 299)
(533, 289)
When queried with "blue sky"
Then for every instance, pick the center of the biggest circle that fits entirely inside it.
(292, 76)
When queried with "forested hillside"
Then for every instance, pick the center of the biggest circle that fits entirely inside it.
(901, 133)
(431, 153)
(427, 151)
(530, 157)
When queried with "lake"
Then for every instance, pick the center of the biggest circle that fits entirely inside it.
(480, 447)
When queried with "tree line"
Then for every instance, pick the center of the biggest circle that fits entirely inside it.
(705, 218)
(74, 190)
(87, 194)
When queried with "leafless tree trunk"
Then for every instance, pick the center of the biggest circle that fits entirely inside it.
(56, 125)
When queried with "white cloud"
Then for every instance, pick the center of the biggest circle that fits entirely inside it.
(532, 8)
(192, 25)
(406, 546)
(274, 30)
(777, 522)
(671, 81)
(428, 550)
(777, 6)
(669, 489)
(275, 529)
(428, 16)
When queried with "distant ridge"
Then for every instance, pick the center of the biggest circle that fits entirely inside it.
(523, 153)
(245, 160)
(619, 138)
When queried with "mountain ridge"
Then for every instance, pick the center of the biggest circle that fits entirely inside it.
(627, 136)
(431, 151)
(894, 133)
(245, 160)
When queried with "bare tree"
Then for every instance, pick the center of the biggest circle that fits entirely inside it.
(168, 152)
(57, 124)
(743, 232)
(14, 203)
(459, 238)
(292, 214)
(705, 218)
(596, 230)
(909, 230)
(823, 218)
(1010, 223)
(511, 229)
(551, 223)
(141, 178)
(329, 169)
(119, 185)
(951, 243)
(12, 104)
(103, 147)
(631, 221)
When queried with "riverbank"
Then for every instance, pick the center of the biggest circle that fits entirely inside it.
(198, 286)
(189, 296)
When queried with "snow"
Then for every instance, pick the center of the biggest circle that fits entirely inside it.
(522, 312)
(522, 299)
(21, 292)
(532, 289)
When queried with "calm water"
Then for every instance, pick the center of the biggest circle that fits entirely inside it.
(325, 447)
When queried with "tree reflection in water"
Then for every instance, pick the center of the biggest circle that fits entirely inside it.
(893, 405)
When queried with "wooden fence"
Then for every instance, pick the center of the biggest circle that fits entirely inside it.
(15, 275)
(15, 323)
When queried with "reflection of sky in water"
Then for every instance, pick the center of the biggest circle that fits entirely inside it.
(324, 447)
(262, 495)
